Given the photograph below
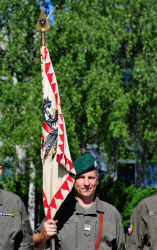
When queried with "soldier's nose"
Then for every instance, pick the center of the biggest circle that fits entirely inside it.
(86, 182)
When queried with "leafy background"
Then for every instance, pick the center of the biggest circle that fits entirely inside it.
(104, 56)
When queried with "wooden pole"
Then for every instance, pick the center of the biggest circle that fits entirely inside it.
(42, 26)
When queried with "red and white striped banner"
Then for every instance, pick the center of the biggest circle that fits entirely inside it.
(55, 154)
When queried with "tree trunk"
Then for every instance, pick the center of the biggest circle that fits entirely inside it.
(31, 197)
(21, 155)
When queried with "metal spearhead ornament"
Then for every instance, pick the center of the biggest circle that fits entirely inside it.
(42, 25)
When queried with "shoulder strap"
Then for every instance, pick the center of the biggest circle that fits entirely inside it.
(100, 230)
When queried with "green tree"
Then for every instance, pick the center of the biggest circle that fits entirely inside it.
(105, 59)
(20, 103)
(124, 198)
(20, 92)
(104, 56)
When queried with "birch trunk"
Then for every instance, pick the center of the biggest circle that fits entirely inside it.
(21, 154)
(31, 197)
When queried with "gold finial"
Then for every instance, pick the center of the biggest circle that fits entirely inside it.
(42, 25)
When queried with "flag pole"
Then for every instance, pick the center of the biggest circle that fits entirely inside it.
(42, 26)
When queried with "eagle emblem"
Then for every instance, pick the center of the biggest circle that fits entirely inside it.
(49, 130)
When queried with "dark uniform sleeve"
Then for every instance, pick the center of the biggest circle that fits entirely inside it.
(26, 242)
(135, 240)
(39, 229)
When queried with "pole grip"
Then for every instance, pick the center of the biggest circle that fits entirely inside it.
(52, 243)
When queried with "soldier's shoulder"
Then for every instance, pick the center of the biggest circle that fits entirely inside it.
(149, 199)
(108, 206)
(149, 203)
(110, 211)
(10, 195)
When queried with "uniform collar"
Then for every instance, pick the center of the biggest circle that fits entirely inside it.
(1, 198)
(96, 207)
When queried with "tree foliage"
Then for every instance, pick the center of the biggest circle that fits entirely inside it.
(124, 198)
(20, 92)
(104, 56)
(105, 59)
(20, 103)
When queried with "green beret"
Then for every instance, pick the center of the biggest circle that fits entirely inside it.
(84, 163)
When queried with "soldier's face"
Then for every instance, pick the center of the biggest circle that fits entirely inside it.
(86, 183)
(0, 170)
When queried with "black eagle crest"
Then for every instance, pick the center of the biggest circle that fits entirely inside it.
(51, 119)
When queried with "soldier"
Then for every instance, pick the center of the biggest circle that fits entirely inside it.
(83, 221)
(142, 228)
(15, 230)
